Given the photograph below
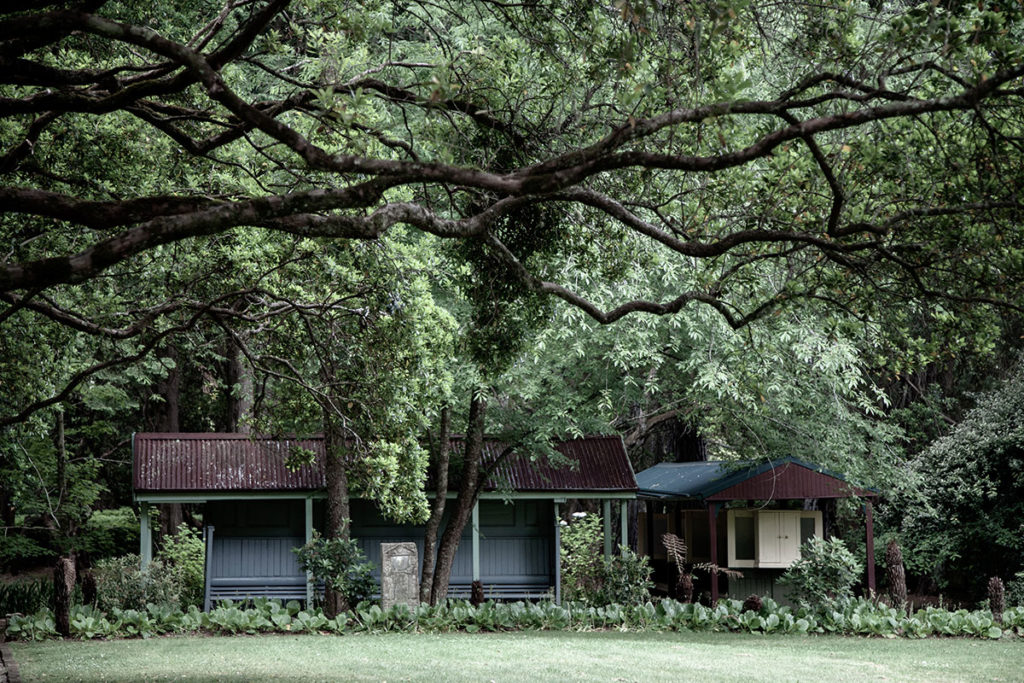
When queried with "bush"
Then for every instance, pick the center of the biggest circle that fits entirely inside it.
(110, 533)
(581, 558)
(184, 554)
(626, 578)
(18, 552)
(589, 577)
(825, 573)
(340, 564)
(121, 584)
(1015, 591)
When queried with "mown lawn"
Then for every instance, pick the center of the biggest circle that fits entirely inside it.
(532, 656)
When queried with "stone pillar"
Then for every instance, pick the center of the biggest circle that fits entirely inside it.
(399, 583)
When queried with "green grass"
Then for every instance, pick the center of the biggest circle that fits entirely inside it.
(530, 656)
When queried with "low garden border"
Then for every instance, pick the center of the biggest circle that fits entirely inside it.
(858, 617)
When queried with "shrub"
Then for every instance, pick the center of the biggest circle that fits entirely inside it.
(340, 564)
(17, 552)
(121, 584)
(825, 573)
(625, 578)
(1015, 590)
(184, 554)
(589, 577)
(110, 533)
(581, 558)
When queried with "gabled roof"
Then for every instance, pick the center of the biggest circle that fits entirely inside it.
(203, 463)
(781, 479)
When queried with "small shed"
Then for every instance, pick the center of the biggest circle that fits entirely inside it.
(771, 508)
(255, 511)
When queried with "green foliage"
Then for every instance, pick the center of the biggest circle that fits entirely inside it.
(18, 551)
(856, 617)
(121, 584)
(184, 555)
(627, 578)
(592, 579)
(37, 626)
(25, 596)
(1015, 590)
(340, 564)
(109, 533)
(824, 575)
(581, 558)
(968, 525)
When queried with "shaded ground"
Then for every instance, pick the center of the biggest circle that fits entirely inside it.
(533, 656)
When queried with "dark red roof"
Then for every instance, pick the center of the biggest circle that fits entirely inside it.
(166, 462)
(791, 480)
(781, 479)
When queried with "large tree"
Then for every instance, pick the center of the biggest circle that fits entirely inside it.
(862, 158)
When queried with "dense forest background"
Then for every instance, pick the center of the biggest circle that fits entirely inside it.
(720, 228)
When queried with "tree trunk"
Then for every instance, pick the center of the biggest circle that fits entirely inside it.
(63, 590)
(169, 417)
(169, 420)
(6, 506)
(238, 376)
(436, 510)
(468, 491)
(338, 513)
(896, 574)
(62, 458)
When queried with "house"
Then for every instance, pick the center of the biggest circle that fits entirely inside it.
(255, 511)
(757, 513)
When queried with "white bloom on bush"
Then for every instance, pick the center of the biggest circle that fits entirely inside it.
(579, 515)
(563, 522)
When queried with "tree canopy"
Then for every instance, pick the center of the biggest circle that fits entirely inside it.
(868, 152)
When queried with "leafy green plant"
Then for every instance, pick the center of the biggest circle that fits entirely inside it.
(184, 554)
(17, 550)
(110, 533)
(37, 626)
(854, 617)
(581, 558)
(340, 564)
(88, 622)
(626, 578)
(589, 577)
(824, 575)
(121, 584)
(1015, 590)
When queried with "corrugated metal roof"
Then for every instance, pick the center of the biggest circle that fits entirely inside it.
(221, 462)
(596, 463)
(785, 478)
(165, 462)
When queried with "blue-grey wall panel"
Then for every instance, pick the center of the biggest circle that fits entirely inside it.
(255, 556)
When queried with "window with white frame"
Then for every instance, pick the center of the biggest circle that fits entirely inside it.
(769, 538)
